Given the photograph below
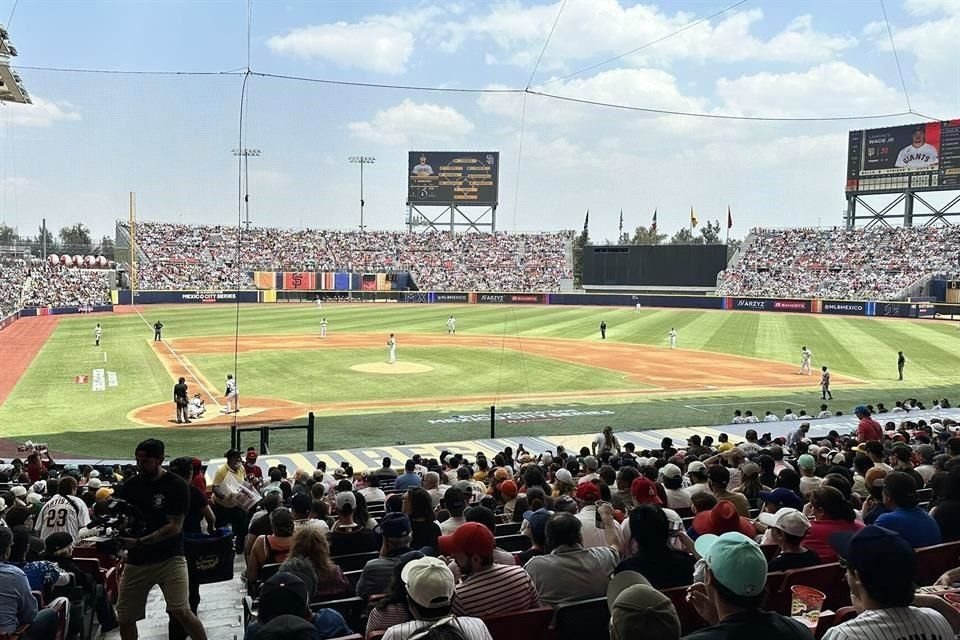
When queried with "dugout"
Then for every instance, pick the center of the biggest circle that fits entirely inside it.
(683, 268)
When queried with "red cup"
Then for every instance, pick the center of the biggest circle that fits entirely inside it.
(806, 604)
(953, 597)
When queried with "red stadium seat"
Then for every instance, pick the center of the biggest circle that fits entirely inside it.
(933, 561)
(690, 620)
(828, 578)
(529, 625)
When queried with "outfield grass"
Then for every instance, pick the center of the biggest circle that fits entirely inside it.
(47, 406)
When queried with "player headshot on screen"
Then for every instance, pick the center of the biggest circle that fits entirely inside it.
(423, 169)
(918, 154)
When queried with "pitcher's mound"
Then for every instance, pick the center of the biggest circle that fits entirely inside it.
(399, 367)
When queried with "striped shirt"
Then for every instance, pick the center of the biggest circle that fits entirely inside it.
(897, 623)
(471, 628)
(499, 589)
(390, 615)
(62, 513)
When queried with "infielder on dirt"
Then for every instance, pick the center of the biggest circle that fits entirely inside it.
(673, 338)
(805, 356)
(452, 325)
(323, 328)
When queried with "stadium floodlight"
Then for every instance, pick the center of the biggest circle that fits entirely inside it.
(361, 160)
(11, 88)
(246, 154)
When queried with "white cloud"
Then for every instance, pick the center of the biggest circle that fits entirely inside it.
(600, 28)
(411, 123)
(42, 113)
(829, 89)
(379, 44)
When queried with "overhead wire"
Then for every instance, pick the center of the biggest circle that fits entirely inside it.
(546, 42)
(645, 45)
(903, 83)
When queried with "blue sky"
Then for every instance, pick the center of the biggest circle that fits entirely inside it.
(89, 138)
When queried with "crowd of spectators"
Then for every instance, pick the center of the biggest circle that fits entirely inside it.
(200, 256)
(712, 519)
(37, 284)
(844, 264)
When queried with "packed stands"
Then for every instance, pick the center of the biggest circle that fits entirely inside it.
(874, 264)
(206, 257)
(13, 273)
(327, 545)
(43, 285)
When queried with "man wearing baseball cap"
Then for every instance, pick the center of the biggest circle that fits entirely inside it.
(570, 571)
(594, 531)
(638, 610)
(787, 528)
(396, 533)
(677, 496)
(732, 592)
(430, 588)
(881, 573)
(487, 588)
(697, 473)
(905, 517)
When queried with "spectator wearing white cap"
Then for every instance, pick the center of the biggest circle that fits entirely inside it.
(563, 483)
(697, 473)
(430, 587)
(788, 527)
(732, 593)
(590, 466)
(672, 479)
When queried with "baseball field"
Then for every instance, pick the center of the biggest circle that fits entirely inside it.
(545, 368)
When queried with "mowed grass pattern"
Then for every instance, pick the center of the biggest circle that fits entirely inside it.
(47, 405)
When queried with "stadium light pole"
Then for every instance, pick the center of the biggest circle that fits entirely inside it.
(361, 160)
(246, 154)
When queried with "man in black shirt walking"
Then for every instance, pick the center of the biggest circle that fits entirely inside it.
(900, 362)
(155, 553)
(181, 400)
(157, 328)
(603, 329)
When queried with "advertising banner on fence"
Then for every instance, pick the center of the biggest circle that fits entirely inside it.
(162, 297)
(461, 298)
(299, 280)
(840, 307)
(509, 298)
(766, 304)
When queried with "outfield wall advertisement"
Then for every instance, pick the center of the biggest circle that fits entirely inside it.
(195, 297)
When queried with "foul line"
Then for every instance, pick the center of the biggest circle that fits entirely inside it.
(693, 407)
(183, 364)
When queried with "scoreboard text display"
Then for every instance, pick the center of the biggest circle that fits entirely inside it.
(451, 177)
(921, 157)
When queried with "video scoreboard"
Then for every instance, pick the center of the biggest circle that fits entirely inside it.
(921, 157)
(453, 177)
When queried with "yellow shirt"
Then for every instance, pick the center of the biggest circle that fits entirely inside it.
(723, 446)
(239, 475)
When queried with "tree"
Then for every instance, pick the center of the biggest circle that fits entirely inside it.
(646, 235)
(579, 242)
(7, 234)
(683, 236)
(710, 233)
(106, 248)
(76, 238)
(51, 241)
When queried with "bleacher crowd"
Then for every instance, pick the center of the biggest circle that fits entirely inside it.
(854, 264)
(700, 539)
(36, 284)
(178, 256)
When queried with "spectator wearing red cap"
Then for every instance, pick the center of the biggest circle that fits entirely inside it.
(252, 469)
(595, 533)
(720, 519)
(508, 497)
(487, 588)
(570, 571)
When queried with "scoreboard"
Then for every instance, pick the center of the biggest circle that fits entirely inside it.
(453, 177)
(920, 157)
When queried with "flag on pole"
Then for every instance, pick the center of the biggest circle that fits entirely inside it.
(693, 218)
(729, 218)
(586, 221)
(621, 222)
(653, 225)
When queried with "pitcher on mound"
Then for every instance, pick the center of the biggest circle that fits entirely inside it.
(392, 346)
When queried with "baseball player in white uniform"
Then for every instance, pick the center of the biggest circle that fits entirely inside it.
(919, 154)
(638, 307)
(452, 325)
(232, 395)
(805, 355)
(323, 328)
(96, 334)
(673, 338)
(66, 513)
(319, 303)
(392, 346)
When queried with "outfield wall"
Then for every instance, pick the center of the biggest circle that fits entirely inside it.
(915, 309)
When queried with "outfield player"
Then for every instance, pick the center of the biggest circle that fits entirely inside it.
(452, 325)
(673, 338)
(638, 307)
(96, 335)
(319, 303)
(392, 346)
(323, 328)
(603, 330)
(805, 355)
(901, 361)
(232, 395)
(825, 384)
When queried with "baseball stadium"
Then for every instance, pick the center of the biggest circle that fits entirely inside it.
(527, 300)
